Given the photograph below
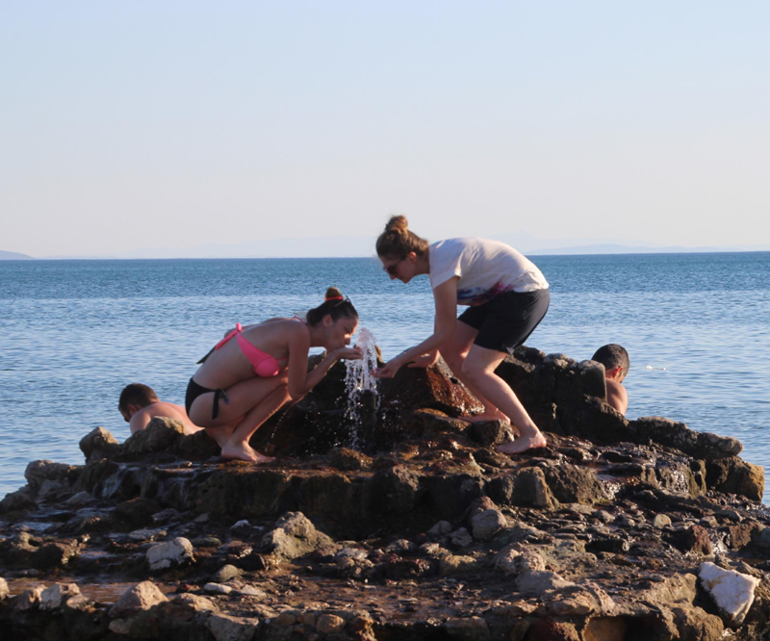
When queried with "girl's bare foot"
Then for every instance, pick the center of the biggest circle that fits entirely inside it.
(522, 444)
(486, 416)
(244, 452)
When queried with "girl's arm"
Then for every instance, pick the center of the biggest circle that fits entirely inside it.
(445, 298)
(300, 380)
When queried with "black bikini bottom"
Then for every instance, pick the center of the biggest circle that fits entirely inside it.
(194, 391)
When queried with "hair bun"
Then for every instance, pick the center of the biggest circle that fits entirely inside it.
(333, 293)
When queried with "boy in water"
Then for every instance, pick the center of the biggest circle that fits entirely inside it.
(616, 363)
(139, 404)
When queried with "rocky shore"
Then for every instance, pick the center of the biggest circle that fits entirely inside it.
(400, 523)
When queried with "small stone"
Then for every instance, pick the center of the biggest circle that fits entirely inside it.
(307, 619)
(51, 598)
(353, 553)
(227, 628)
(197, 603)
(285, 619)
(461, 538)
(217, 588)
(4, 591)
(661, 521)
(120, 626)
(165, 555)
(250, 590)
(457, 564)
(486, 524)
(330, 624)
(141, 596)
(227, 572)
(442, 528)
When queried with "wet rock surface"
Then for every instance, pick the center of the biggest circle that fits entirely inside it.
(407, 525)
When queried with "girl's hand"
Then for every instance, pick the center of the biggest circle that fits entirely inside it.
(388, 370)
(349, 353)
(426, 360)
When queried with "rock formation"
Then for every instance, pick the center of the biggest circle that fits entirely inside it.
(618, 530)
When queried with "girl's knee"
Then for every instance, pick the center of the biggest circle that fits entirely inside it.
(474, 371)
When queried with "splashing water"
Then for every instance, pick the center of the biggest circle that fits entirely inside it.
(361, 384)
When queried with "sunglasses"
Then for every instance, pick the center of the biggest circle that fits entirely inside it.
(391, 269)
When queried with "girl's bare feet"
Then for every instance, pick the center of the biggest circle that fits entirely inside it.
(244, 452)
(522, 444)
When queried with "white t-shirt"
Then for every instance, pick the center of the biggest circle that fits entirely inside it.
(486, 268)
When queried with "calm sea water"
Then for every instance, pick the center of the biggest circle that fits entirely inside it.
(73, 333)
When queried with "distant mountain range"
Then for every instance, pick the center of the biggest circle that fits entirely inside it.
(4, 255)
(362, 246)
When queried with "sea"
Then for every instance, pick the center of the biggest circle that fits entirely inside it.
(73, 333)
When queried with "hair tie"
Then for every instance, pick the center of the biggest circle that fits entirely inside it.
(333, 298)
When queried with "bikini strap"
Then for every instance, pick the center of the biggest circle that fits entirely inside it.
(238, 329)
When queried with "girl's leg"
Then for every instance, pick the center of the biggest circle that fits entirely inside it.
(454, 352)
(479, 367)
(237, 445)
(252, 402)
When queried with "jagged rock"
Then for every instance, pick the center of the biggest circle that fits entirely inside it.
(346, 459)
(699, 445)
(732, 591)
(38, 472)
(53, 597)
(605, 629)
(491, 433)
(18, 501)
(573, 484)
(397, 490)
(141, 596)
(171, 553)
(229, 628)
(99, 443)
(294, 536)
(734, 476)
(160, 435)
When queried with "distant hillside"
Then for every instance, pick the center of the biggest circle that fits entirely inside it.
(14, 256)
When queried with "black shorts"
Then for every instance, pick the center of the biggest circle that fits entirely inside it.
(507, 320)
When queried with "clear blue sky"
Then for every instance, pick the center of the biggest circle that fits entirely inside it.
(170, 124)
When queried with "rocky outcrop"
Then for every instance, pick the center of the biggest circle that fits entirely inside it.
(405, 525)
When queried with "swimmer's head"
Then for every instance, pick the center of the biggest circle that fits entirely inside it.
(615, 360)
(135, 397)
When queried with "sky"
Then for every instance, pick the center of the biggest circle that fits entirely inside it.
(166, 126)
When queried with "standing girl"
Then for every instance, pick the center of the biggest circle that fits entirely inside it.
(507, 297)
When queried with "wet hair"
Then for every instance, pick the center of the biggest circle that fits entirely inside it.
(612, 356)
(397, 241)
(136, 394)
(335, 305)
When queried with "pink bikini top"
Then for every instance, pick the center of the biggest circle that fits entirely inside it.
(264, 364)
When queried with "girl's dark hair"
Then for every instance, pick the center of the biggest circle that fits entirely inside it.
(335, 306)
(397, 241)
